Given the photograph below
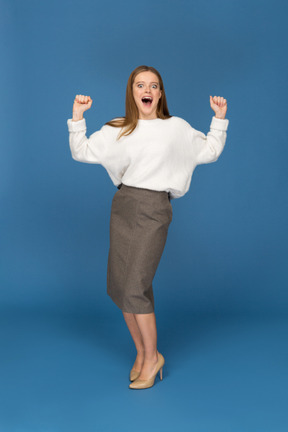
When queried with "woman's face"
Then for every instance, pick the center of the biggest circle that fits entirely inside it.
(146, 87)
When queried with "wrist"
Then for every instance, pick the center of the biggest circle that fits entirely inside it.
(219, 117)
(77, 116)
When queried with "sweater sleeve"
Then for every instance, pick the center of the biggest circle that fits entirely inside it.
(83, 149)
(207, 148)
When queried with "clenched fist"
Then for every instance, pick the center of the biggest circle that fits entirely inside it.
(81, 103)
(219, 105)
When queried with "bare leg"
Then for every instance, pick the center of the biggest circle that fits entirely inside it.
(137, 338)
(147, 326)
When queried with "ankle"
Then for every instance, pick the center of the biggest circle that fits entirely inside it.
(151, 357)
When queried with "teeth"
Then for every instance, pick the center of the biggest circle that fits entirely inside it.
(145, 100)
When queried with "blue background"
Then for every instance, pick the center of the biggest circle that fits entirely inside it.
(221, 286)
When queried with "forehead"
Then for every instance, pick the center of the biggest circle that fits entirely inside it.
(146, 76)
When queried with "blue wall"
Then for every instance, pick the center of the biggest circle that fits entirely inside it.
(227, 244)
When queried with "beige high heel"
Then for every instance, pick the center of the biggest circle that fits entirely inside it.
(134, 374)
(142, 384)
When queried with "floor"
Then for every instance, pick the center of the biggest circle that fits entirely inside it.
(68, 370)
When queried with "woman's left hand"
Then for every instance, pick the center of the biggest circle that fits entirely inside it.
(219, 105)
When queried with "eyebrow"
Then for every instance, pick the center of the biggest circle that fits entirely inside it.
(153, 82)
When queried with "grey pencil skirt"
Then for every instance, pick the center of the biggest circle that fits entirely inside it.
(139, 224)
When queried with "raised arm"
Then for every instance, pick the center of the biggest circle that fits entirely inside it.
(207, 148)
(83, 149)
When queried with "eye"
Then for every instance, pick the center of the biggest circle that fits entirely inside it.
(140, 85)
(155, 85)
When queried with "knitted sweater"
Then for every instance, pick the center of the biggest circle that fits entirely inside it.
(159, 154)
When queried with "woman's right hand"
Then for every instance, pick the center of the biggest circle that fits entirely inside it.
(81, 103)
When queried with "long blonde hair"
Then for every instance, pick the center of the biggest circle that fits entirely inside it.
(129, 122)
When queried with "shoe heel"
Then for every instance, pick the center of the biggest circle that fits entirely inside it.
(161, 371)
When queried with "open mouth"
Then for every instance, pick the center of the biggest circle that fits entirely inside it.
(147, 100)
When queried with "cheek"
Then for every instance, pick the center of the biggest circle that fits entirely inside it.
(135, 95)
(158, 94)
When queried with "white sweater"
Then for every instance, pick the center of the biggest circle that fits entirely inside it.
(159, 154)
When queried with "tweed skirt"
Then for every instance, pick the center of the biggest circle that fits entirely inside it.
(139, 224)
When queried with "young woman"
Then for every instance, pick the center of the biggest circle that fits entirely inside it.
(150, 156)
